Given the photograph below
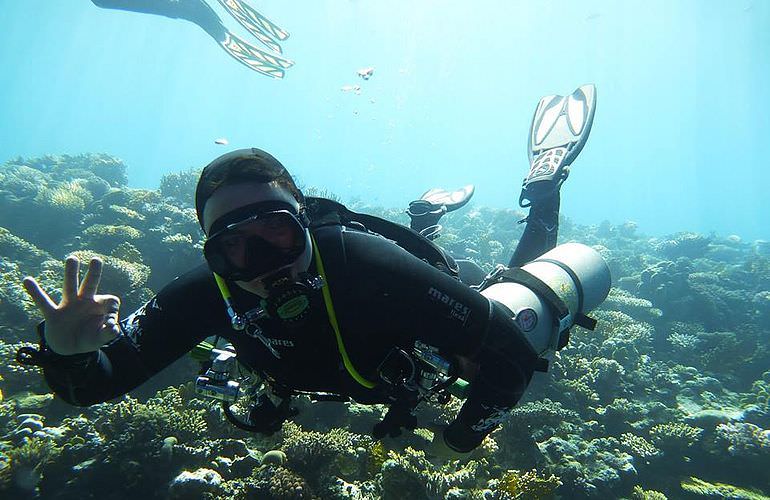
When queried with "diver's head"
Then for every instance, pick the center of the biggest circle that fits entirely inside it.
(253, 215)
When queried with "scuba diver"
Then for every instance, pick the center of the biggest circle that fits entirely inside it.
(271, 63)
(315, 299)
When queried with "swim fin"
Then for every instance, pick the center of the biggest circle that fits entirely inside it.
(559, 130)
(258, 25)
(433, 204)
(259, 60)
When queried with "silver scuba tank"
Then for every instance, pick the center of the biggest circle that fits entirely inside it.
(576, 273)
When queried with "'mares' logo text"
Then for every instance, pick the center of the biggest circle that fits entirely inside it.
(457, 310)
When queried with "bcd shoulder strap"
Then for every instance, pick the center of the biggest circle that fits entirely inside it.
(322, 212)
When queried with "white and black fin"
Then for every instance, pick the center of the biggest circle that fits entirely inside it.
(258, 25)
(452, 200)
(559, 130)
(261, 61)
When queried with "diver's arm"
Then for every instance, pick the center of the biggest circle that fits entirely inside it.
(153, 337)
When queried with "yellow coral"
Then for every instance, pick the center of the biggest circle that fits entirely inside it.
(641, 494)
(719, 490)
(528, 485)
(125, 213)
(24, 463)
(70, 197)
(377, 456)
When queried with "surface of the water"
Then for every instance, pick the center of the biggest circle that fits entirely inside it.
(680, 140)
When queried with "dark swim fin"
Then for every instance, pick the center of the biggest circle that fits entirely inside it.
(432, 205)
(560, 129)
(258, 25)
(254, 58)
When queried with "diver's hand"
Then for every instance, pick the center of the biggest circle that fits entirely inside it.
(82, 321)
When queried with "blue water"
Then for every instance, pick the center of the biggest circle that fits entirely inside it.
(680, 139)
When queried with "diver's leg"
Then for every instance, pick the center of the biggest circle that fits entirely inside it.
(195, 11)
(540, 232)
(200, 13)
(432, 205)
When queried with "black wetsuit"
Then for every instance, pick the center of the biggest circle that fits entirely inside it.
(195, 11)
(384, 297)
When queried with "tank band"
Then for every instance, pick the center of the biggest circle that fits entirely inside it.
(572, 275)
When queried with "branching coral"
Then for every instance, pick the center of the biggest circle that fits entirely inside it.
(410, 475)
(625, 302)
(337, 451)
(744, 440)
(22, 471)
(684, 244)
(639, 493)
(118, 276)
(68, 199)
(542, 418)
(675, 436)
(130, 424)
(703, 488)
(594, 467)
(104, 238)
(274, 482)
(514, 485)
(638, 446)
(180, 186)
(16, 249)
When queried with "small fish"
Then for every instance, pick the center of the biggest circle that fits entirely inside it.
(222, 141)
(365, 73)
(351, 88)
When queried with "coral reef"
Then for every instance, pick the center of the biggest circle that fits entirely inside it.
(668, 398)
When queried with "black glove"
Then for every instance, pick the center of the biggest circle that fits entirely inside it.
(399, 416)
(264, 417)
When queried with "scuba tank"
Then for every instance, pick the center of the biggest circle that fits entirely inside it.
(547, 296)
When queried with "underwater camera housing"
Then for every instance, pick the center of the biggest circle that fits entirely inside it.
(247, 401)
(216, 382)
(422, 371)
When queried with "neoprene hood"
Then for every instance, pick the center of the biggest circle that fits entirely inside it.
(242, 166)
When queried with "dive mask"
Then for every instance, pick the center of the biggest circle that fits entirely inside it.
(245, 245)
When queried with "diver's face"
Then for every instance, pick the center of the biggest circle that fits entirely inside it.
(275, 231)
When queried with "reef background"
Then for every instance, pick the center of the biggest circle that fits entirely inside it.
(669, 397)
